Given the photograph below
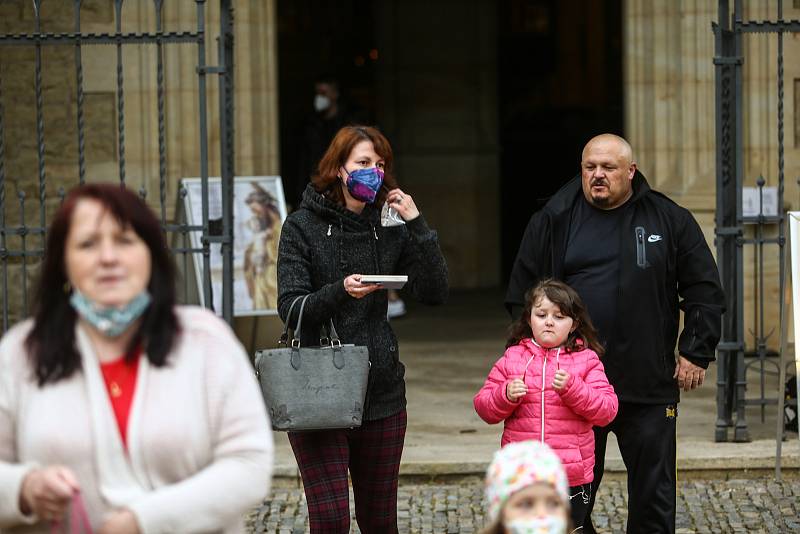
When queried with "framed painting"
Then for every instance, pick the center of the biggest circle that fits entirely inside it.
(259, 209)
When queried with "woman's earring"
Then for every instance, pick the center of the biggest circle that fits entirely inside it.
(67, 288)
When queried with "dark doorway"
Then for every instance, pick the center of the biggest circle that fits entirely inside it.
(560, 83)
(321, 39)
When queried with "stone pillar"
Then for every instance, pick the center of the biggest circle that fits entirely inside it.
(669, 97)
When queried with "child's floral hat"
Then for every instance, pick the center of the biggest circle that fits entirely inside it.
(517, 466)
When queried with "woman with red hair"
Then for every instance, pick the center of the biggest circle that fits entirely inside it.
(354, 220)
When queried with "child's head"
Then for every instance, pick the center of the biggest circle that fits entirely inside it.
(555, 316)
(526, 488)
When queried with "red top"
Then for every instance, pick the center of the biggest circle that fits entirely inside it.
(120, 379)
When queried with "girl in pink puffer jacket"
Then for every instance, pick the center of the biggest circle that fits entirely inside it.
(550, 385)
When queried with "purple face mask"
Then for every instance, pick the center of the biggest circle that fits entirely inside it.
(364, 184)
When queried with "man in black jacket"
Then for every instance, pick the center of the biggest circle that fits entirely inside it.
(636, 258)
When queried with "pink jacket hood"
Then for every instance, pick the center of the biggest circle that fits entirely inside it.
(562, 419)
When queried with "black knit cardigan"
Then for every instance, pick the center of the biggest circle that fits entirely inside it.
(321, 244)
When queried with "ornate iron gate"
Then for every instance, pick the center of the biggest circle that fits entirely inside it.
(735, 358)
(22, 243)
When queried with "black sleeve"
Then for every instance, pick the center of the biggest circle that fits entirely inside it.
(294, 280)
(529, 266)
(423, 261)
(702, 298)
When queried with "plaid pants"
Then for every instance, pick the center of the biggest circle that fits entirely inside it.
(372, 454)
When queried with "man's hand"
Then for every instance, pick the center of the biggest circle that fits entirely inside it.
(689, 375)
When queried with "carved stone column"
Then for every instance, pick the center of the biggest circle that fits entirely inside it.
(669, 96)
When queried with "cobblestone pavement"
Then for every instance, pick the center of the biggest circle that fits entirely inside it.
(752, 505)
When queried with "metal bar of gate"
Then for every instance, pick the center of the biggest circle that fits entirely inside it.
(727, 231)
(720, 241)
(740, 431)
(39, 120)
(226, 153)
(127, 38)
(201, 72)
(162, 142)
(120, 96)
(79, 83)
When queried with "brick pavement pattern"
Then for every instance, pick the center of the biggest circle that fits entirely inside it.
(704, 506)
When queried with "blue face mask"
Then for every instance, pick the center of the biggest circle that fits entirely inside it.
(364, 184)
(110, 321)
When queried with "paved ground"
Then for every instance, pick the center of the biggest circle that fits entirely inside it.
(448, 351)
(704, 506)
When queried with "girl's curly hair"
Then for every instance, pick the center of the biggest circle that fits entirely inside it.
(570, 304)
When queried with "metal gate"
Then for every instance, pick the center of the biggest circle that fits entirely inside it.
(22, 243)
(736, 358)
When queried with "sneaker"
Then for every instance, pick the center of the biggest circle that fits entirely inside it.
(396, 308)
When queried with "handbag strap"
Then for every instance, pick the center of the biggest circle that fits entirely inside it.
(78, 518)
(331, 334)
(285, 335)
(327, 331)
(296, 333)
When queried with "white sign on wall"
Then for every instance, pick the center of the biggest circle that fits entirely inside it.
(794, 241)
(750, 202)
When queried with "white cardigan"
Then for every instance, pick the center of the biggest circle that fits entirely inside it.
(200, 446)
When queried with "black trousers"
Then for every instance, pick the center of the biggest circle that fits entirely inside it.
(646, 437)
(579, 498)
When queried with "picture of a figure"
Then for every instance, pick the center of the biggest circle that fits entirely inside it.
(259, 208)
(261, 254)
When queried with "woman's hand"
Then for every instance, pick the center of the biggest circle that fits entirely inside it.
(46, 492)
(560, 379)
(403, 204)
(516, 389)
(120, 521)
(357, 290)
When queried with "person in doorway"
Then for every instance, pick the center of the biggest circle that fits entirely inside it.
(637, 259)
(326, 246)
(526, 491)
(331, 113)
(113, 397)
(550, 386)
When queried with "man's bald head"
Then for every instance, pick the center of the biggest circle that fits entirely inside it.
(611, 140)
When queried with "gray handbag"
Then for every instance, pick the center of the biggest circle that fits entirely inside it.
(313, 388)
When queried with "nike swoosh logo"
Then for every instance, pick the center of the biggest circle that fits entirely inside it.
(653, 238)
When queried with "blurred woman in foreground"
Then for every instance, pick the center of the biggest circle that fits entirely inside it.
(114, 398)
